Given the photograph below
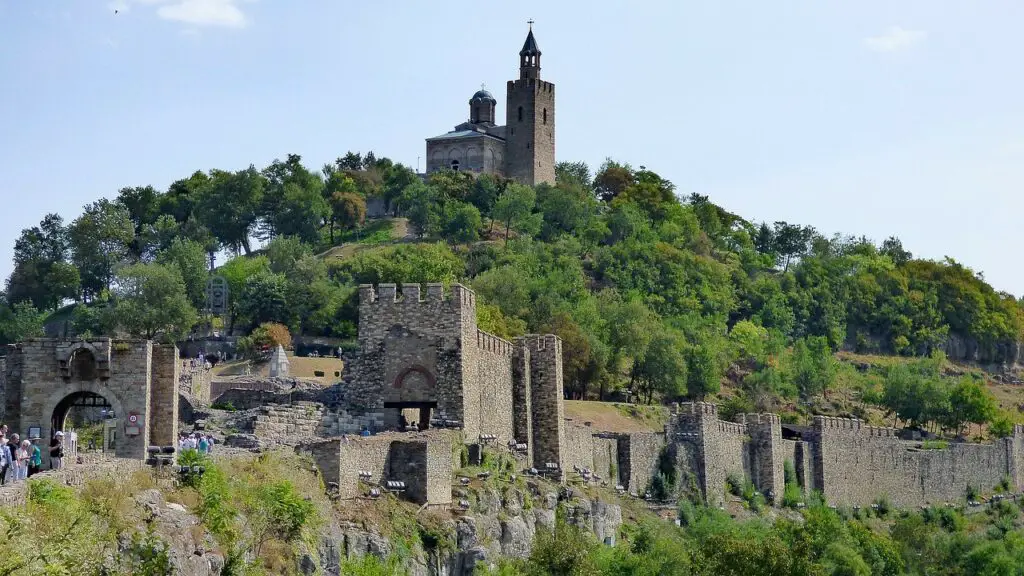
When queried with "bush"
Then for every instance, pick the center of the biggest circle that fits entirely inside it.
(228, 406)
(734, 484)
(264, 339)
(882, 506)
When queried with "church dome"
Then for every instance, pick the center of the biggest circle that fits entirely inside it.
(483, 95)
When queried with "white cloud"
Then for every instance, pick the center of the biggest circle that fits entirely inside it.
(225, 13)
(894, 39)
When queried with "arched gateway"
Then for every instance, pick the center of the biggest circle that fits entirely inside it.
(135, 379)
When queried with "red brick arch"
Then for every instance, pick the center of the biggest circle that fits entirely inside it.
(414, 368)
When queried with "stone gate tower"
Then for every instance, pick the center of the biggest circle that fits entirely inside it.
(530, 121)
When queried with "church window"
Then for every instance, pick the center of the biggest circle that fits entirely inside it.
(545, 115)
(520, 113)
(455, 165)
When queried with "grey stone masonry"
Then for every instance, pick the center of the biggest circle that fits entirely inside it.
(767, 452)
(849, 462)
(45, 377)
(163, 430)
(521, 397)
(547, 400)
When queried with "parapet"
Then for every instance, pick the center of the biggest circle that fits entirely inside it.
(387, 293)
(488, 342)
(538, 342)
(831, 423)
(732, 428)
(760, 419)
(699, 408)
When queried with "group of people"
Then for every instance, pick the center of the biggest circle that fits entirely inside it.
(196, 441)
(19, 458)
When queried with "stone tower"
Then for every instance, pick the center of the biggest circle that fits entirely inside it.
(530, 126)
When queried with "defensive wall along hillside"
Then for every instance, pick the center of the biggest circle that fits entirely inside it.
(856, 464)
(848, 462)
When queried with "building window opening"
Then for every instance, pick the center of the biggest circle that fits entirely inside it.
(545, 115)
(520, 113)
(455, 165)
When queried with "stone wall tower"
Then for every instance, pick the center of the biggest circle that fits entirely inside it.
(530, 125)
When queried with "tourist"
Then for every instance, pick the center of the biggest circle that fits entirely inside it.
(209, 444)
(5, 458)
(36, 459)
(21, 460)
(203, 445)
(57, 450)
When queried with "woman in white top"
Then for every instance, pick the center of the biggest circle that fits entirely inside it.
(23, 453)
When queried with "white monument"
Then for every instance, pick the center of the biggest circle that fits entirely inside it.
(278, 363)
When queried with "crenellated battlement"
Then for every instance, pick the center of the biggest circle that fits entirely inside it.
(488, 342)
(763, 419)
(538, 342)
(732, 428)
(698, 408)
(388, 293)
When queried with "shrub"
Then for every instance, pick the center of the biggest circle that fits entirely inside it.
(972, 493)
(882, 506)
(264, 339)
(227, 406)
(734, 484)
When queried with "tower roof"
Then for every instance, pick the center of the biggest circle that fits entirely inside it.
(483, 94)
(530, 47)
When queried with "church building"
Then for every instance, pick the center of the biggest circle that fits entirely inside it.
(524, 148)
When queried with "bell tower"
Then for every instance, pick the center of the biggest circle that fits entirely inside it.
(530, 120)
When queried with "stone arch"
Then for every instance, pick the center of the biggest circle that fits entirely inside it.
(59, 400)
(456, 155)
(414, 374)
(473, 158)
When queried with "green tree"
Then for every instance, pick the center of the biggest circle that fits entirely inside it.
(101, 240)
(150, 299)
(461, 222)
(663, 369)
(811, 366)
(230, 206)
(264, 299)
(41, 272)
(189, 257)
(514, 208)
(348, 210)
(19, 322)
(703, 374)
(969, 403)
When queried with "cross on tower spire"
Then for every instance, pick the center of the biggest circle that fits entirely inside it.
(530, 22)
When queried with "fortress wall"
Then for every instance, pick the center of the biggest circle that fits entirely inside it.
(856, 464)
(606, 465)
(798, 452)
(522, 419)
(638, 459)
(287, 422)
(766, 452)
(494, 357)
(362, 453)
(422, 460)
(164, 395)
(546, 400)
(579, 447)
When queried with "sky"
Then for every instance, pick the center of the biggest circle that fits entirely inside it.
(874, 117)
